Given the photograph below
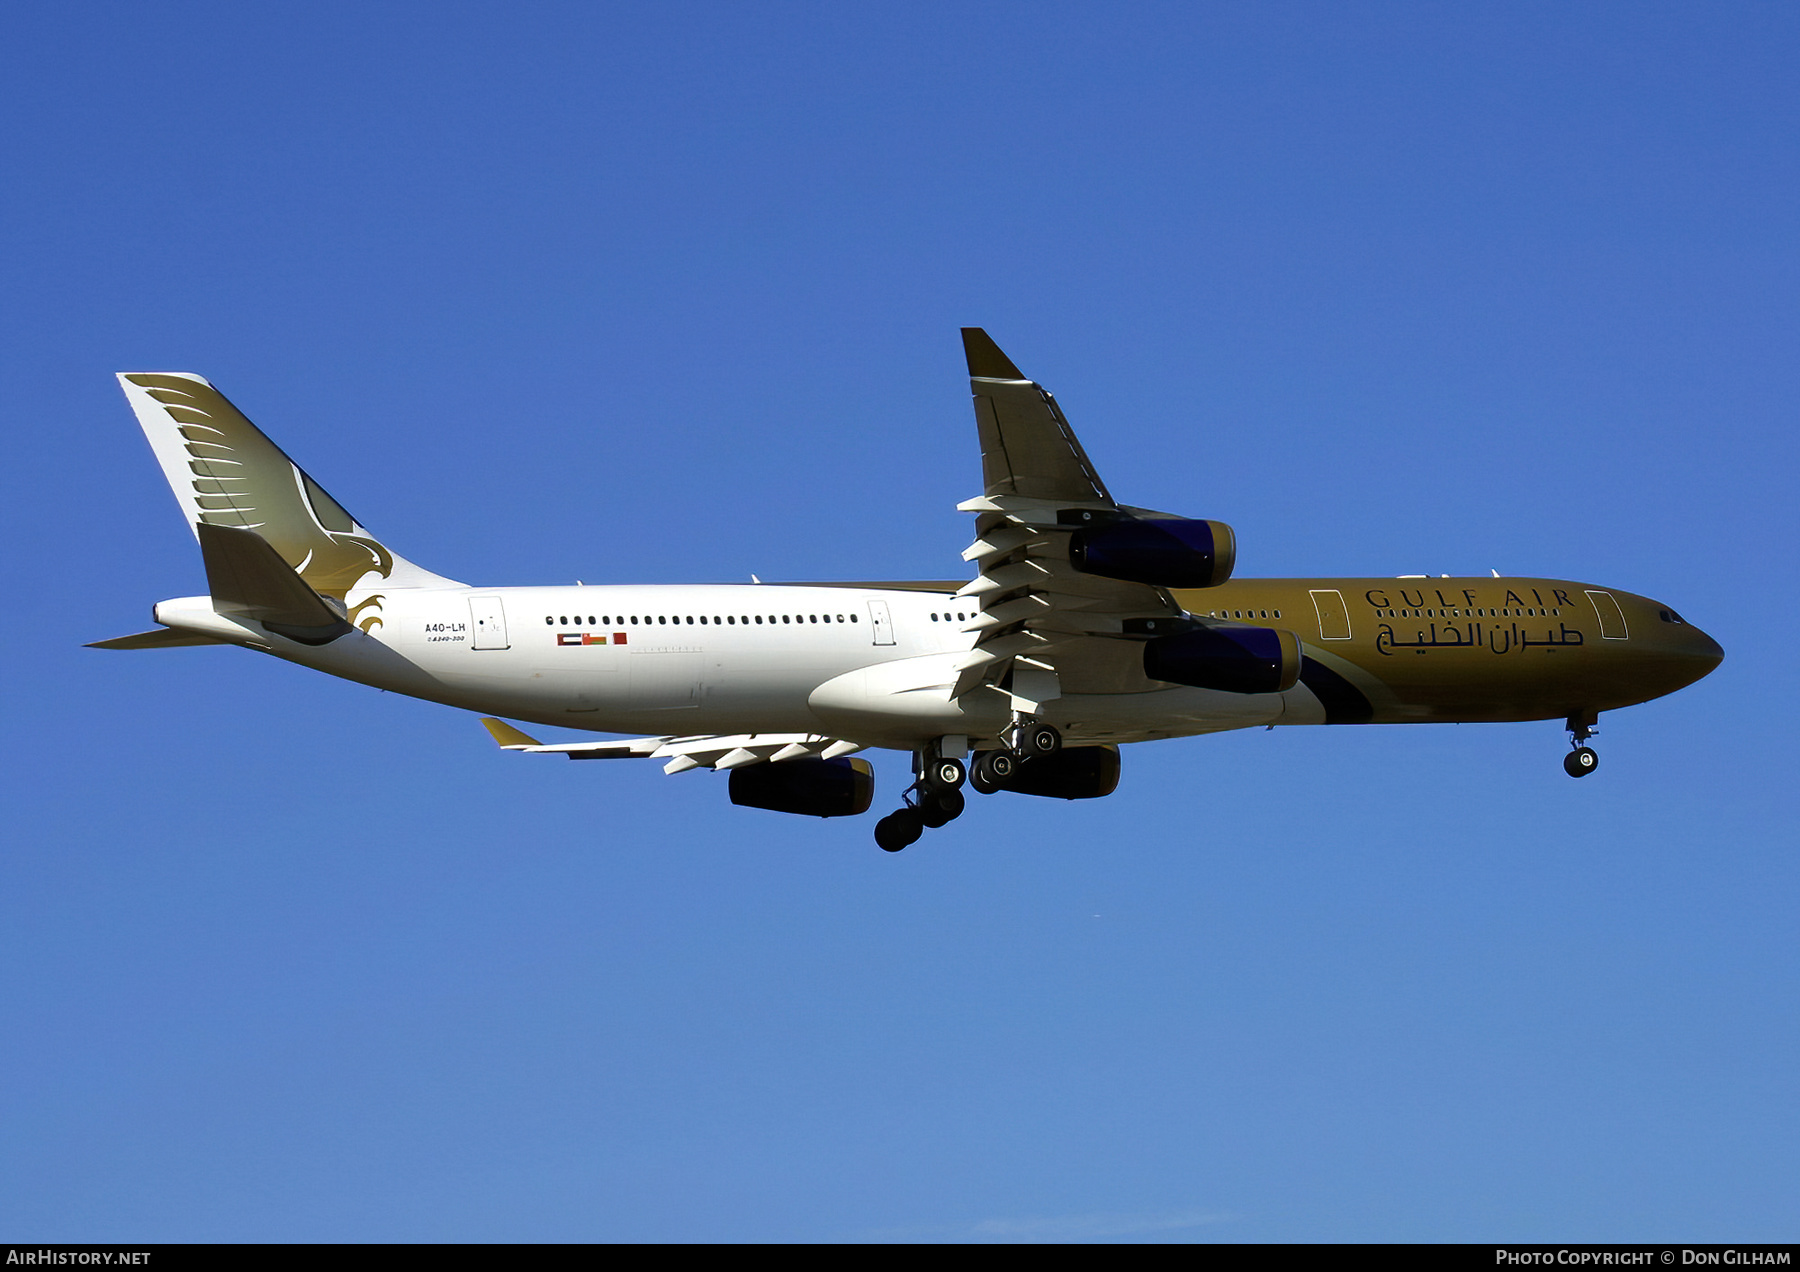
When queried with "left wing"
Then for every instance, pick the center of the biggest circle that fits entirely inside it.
(1044, 628)
(700, 751)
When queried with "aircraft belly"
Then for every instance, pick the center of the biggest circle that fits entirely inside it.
(906, 702)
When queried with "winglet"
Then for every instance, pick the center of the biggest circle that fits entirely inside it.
(506, 735)
(985, 359)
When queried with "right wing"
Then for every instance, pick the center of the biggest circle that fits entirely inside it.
(1044, 628)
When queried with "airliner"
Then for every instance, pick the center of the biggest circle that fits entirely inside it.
(1088, 624)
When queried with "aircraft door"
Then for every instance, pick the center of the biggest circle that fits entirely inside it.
(487, 619)
(1612, 618)
(881, 623)
(1334, 615)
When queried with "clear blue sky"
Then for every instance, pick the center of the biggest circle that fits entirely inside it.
(670, 293)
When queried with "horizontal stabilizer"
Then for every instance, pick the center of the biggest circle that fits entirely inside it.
(161, 638)
(249, 579)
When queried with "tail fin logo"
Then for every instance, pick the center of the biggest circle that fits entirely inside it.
(238, 477)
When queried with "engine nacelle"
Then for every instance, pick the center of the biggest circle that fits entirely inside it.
(1231, 659)
(1075, 772)
(1162, 553)
(842, 787)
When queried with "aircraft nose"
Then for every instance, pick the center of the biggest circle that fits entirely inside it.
(1705, 649)
(1688, 652)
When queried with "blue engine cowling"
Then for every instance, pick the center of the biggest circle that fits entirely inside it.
(1232, 659)
(1165, 553)
(811, 788)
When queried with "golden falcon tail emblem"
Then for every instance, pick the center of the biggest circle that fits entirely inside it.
(241, 478)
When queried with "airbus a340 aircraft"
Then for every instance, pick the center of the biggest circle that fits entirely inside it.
(1089, 624)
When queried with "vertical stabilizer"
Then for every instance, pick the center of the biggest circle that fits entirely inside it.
(224, 472)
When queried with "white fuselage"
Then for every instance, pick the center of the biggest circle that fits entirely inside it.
(871, 664)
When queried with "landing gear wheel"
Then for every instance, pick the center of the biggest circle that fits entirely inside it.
(1040, 740)
(940, 808)
(898, 830)
(1580, 762)
(945, 775)
(993, 770)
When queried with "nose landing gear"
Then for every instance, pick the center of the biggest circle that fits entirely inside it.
(1581, 760)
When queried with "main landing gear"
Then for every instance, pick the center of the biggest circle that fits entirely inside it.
(1581, 761)
(1026, 740)
(1029, 739)
(936, 799)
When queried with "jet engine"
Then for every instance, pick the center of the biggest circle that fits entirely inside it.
(1231, 659)
(1161, 553)
(811, 788)
(1075, 772)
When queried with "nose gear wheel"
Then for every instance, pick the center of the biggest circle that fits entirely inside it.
(1582, 760)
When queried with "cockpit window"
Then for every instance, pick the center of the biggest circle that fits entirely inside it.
(1670, 616)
